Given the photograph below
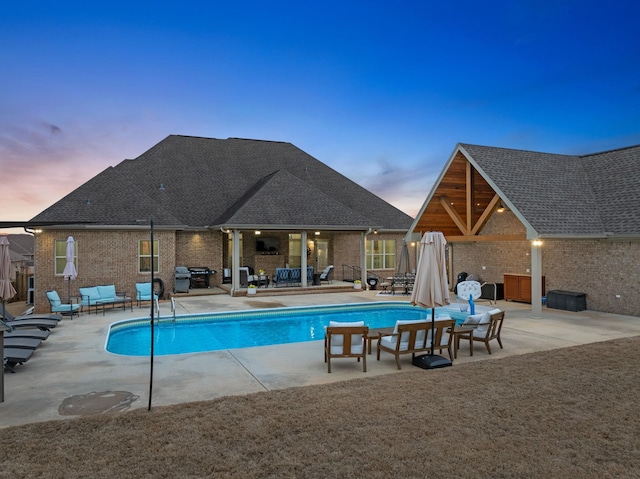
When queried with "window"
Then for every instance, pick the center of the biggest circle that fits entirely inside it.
(381, 254)
(144, 256)
(295, 250)
(60, 256)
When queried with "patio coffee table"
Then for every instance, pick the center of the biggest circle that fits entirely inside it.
(115, 303)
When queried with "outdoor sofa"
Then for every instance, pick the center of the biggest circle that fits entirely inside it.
(101, 297)
(291, 276)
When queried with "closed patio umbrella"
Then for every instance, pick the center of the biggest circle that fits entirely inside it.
(431, 289)
(404, 265)
(6, 291)
(70, 272)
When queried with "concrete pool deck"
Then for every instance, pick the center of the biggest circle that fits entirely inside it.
(73, 363)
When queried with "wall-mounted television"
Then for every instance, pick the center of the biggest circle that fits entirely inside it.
(267, 245)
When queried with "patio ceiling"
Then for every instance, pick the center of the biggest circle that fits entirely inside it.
(461, 204)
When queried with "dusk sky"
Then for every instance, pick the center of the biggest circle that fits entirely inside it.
(379, 91)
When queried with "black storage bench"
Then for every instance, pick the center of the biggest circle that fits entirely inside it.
(492, 291)
(567, 300)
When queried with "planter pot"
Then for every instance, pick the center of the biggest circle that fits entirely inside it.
(357, 286)
(251, 291)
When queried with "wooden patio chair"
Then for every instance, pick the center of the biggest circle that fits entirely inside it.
(336, 344)
(485, 331)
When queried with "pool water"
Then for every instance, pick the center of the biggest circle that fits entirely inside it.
(244, 329)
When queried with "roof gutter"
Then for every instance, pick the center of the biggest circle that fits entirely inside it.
(290, 227)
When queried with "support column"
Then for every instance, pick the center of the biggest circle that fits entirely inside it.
(235, 262)
(363, 260)
(303, 259)
(536, 278)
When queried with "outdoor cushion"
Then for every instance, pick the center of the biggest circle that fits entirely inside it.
(390, 341)
(483, 324)
(107, 292)
(53, 298)
(143, 292)
(473, 320)
(89, 295)
(337, 340)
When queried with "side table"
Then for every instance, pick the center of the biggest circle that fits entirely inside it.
(457, 332)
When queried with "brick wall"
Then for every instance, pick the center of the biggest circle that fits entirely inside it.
(104, 257)
(600, 268)
(201, 248)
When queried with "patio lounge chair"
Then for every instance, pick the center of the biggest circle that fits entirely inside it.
(57, 306)
(42, 324)
(486, 327)
(22, 343)
(15, 356)
(326, 274)
(27, 333)
(414, 336)
(335, 345)
(10, 317)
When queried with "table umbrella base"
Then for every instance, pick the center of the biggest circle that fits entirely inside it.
(428, 361)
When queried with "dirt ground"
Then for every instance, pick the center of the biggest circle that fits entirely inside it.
(566, 413)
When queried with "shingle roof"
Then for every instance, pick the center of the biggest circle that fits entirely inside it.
(198, 182)
(563, 195)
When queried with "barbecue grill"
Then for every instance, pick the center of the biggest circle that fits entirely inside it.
(200, 276)
(181, 280)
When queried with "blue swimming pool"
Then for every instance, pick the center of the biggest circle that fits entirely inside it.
(243, 329)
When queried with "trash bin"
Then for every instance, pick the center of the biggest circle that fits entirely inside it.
(182, 279)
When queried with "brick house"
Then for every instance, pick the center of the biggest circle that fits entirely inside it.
(572, 220)
(208, 199)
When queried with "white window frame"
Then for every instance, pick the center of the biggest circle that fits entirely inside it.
(61, 260)
(155, 255)
(386, 252)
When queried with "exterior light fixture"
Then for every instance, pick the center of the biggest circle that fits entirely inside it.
(258, 232)
(500, 208)
(537, 242)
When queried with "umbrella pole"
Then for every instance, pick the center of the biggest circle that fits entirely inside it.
(433, 330)
(432, 360)
(69, 299)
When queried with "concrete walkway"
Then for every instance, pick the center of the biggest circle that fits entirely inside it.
(73, 363)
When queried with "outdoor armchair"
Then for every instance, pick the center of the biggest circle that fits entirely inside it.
(346, 340)
(144, 292)
(484, 328)
(57, 306)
